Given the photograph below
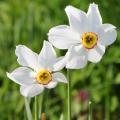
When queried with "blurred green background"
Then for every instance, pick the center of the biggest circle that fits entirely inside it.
(28, 22)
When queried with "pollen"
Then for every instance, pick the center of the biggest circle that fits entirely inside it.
(44, 77)
(89, 40)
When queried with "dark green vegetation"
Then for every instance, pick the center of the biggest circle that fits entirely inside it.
(27, 22)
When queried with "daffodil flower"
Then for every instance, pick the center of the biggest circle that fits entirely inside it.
(86, 38)
(37, 71)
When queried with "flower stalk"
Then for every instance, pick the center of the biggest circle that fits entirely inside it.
(90, 111)
(69, 94)
(41, 105)
(36, 109)
(28, 111)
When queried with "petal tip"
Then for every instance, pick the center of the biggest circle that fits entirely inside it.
(93, 4)
(68, 8)
(19, 46)
(46, 43)
(8, 74)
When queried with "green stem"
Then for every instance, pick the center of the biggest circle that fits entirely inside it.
(29, 114)
(36, 109)
(90, 111)
(41, 104)
(69, 94)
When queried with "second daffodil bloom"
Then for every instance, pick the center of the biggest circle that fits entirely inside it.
(37, 71)
(86, 38)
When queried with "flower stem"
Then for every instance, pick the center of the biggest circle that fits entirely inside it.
(36, 109)
(90, 111)
(29, 114)
(41, 104)
(69, 94)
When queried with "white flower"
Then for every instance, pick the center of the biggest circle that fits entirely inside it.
(86, 38)
(37, 71)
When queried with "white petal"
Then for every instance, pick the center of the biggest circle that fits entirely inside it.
(26, 57)
(108, 26)
(31, 90)
(47, 56)
(22, 76)
(107, 34)
(50, 85)
(77, 19)
(59, 64)
(59, 77)
(76, 57)
(94, 55)
(63, 37)
(94, 17)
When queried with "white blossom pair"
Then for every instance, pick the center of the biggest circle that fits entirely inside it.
(86, 39)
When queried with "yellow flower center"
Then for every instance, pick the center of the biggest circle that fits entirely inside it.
(44, 77)
(89, 40)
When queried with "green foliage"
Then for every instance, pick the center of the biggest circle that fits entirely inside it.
(28, 22)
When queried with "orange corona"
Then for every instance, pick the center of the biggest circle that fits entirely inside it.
(44, 77)
(89, 40)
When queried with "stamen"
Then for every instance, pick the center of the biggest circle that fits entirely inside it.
(44, 77)
(89, 40)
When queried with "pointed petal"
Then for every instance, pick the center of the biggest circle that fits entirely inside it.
(94, 55)
(108, 26)
(107, 34)
(76, 57)
(77, 19)
(59, 64)
(31, 90)
(22, 76)
(59, 77)
(63, 37)
(50, 85)
(26, 57)
(47, 56)
(94, 17)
